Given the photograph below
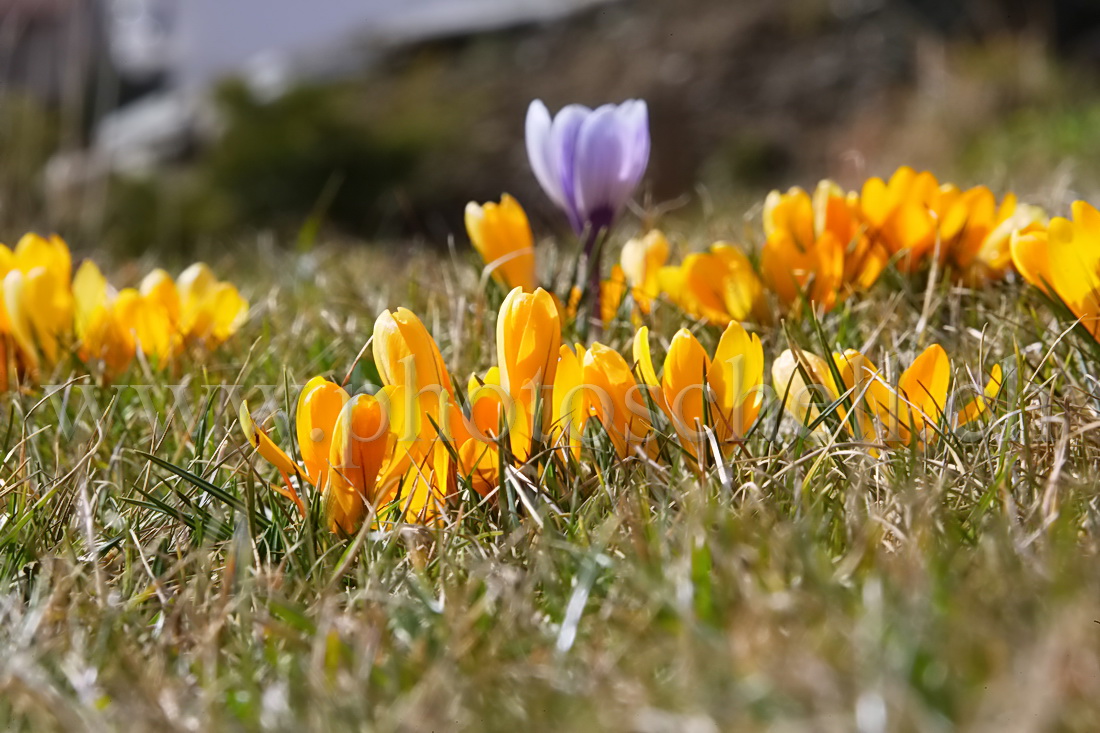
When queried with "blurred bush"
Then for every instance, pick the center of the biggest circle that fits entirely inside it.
(279, 161)
(29, 134)
(317, 155)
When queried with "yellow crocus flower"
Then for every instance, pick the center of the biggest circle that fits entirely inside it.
(642, 259)
(44, 294)
(905, 413)
(816, 246)
(210, 311)
(693, 386)
(901, 215)
(422, 408)
(528, 340)
(112, 326)
(361, 446)
(51, 254)
(717, 286)
(977, 233)
(1064, 261)
(502, 236)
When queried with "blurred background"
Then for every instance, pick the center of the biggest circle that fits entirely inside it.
(184, 126)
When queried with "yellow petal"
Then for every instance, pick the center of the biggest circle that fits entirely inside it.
(993, 255)
(612, 292)
(643, 362)
(501, 234)
(401, 334)
(488, 402)
(1087, 217)
(926, 381)
(194, 285)
(51, 254)
(981, 404)
(1030, 257)
(698, 287)
(89, 294)
(875, 203)
(49, 308)
(870, 397)
(570, 400)
(159, 287)
(480, 462)
(263, 445)
(1073, 251)
(643, 358)
(615, 398)
(913, 234)
(683, 384)
(641, 261)
(17, 319)
(735, 376)
(7, 260)
(528, 344)
(741, 291)
(800, 397)
(790, 214)
(319, 405)
(228, 311)
(148, 325)
(814, 271)
(422, 494)
(361, 444)
(833, 211)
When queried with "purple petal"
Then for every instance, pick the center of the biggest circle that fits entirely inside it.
(564, 135)
(634, 121)
(633, 126)
(538, 151)
(600, 150)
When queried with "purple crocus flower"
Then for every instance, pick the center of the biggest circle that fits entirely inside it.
(589, 161)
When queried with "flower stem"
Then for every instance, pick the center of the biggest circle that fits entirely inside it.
(593, 248)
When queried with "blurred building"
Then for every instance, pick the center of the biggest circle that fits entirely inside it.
(139, 69)
(50, 48)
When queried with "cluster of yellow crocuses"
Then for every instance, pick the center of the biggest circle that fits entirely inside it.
(912, 412)
(46, 313)
(404, 451)
(818, 248)
(825, 247)
(407, 445)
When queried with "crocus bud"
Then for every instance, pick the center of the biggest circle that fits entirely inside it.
(589, 161)
(502, 236)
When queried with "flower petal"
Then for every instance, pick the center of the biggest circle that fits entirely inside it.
(319, 405)
(538, 151)
(598, 165)
(634, 126)
(924, 384)
(561, 160)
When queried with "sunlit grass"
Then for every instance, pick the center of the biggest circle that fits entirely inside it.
(150, 579)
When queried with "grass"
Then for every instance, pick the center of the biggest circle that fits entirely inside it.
(150, 580)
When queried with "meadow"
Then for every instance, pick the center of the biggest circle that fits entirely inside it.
(834, 547)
